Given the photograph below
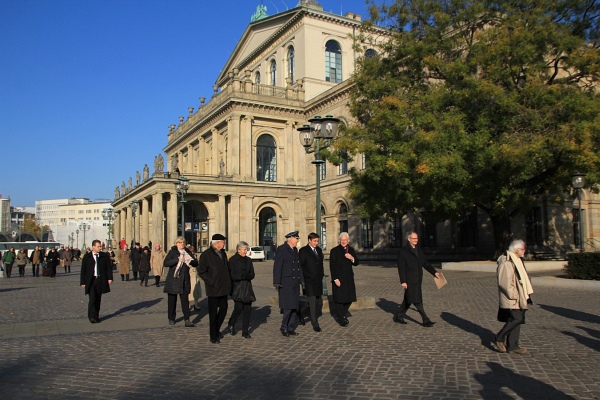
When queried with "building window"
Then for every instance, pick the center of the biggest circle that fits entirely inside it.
(367, 234)
(428, 237)
(333, 62)
(343, 168)
(290, 60)
(343, 218)
(267, 228)
(370, 53)
(533, 227)
(257, 77)
(266, 159)
(273, 70)
(396, 232)
(468, 229)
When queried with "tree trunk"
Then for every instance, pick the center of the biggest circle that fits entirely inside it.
(502, 233)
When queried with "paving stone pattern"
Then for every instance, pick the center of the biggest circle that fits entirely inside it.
(48, 349)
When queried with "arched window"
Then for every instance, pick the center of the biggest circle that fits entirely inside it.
(257, 77)
(290, 61)
(333, 62)
(370, 53)
(343, 218)
(273, 73)
(266, 159)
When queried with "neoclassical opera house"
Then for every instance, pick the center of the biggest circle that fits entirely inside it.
(249, 175)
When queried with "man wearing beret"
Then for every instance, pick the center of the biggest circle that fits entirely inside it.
(287, 279)
(213, 268)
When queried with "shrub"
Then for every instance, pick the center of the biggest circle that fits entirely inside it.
(583, 266)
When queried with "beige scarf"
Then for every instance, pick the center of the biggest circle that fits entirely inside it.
(522, 273)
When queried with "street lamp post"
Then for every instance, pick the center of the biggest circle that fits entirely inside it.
(107, 214)
(134, 207)
(319, 129)
(84, 226)
(182, 185)
(72, 240)
(578, 181)
(77, 231)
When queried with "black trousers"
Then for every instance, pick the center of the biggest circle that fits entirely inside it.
(315, 304)
(144, 278)
(95, 298)
(172, 304)
(217, 311)
(238, 308)
(35, 269)
(342, 310)
(135, 275)
(157, 280)
(289, 321)
(406, 305)
(7, 269)
(511, 330)
(53, 271)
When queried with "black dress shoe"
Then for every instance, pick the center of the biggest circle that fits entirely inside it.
(215, 341)
(171, 322)
(317, 328)
(221, 336)
(93, 320)
(189, 324)
(302, 322)
(428, 324)
(343, 323)
(231, 330)
(285, 333)
(98, 320)
(400, 321)
(246, 335)
(293, 333)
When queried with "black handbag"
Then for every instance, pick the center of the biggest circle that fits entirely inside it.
(503, 314)
(244, 292)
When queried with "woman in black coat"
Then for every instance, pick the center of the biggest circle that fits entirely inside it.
(52, 259)
(179, 260)
(341, 260)
(144, 266)
(242, 272)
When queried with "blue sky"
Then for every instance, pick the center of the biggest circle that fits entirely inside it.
(88, 88)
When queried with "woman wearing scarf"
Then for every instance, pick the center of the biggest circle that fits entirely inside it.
(514, 290)
(179, 260)
(242, 273)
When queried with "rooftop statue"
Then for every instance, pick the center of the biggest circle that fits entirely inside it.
(260, 13)
(146, 172)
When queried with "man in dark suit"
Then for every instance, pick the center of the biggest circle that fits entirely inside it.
(287, 278)
(311, 261)
(96, 277)
(411, 261)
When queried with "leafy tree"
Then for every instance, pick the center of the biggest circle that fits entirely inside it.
(483, 103)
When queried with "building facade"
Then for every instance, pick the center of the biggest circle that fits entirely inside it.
(250, 177)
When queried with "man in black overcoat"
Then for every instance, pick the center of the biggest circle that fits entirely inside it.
(411, 262)
(311, 261)
(287, 278)
(213, 269)
(96, 277)
(342, 259)
(135, 256)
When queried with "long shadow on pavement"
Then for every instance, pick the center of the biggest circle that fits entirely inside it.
(11, 289)
(584, 340)
(134, 307)
(484, 334)
(524, 386)
(391, 307)
(573, 314)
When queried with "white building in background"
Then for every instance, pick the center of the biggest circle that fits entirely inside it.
(4, 214)
(74, 222)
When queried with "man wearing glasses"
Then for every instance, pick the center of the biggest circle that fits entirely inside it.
(411, 262)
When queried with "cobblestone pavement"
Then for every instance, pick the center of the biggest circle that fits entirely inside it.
(134, 354)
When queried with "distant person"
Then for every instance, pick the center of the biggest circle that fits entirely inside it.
(96, 277)
(179, 260)
(411, 262)
(37, 258)
(135, 255)
(242, 273)
(68, 259)
(122, 243)
(311, 261)
(52, 260)
(195, 282)
(112, 257)
(514, 293)
(213, 268)
(341, 260)
(124, 260)
(22, 261)
(287, 279)
(8, 259)
(144, 267)
(157, 258)
(61, 253)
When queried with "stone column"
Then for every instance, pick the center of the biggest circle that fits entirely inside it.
(171, 220)
(234, 140)
(145, 219)
(214, 162)
(116, 230)
(235, 213)
(246, 143)
(157, 219)
(128, 226)
(190, 161)
(220, 217)
(290, 167)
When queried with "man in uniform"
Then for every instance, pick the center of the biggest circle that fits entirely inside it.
(287, 278)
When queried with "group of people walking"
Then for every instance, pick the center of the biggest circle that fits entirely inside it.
(49, 261)
(294, 270)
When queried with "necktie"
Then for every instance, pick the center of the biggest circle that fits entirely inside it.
(315, 250)
(96, 273)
